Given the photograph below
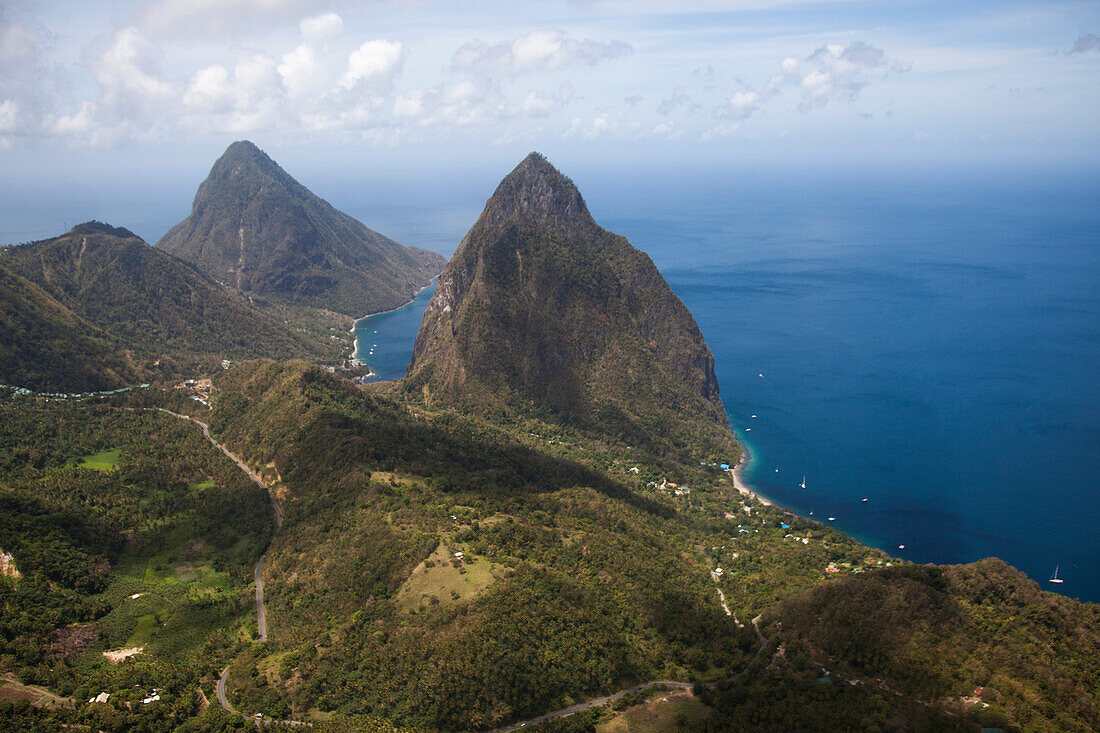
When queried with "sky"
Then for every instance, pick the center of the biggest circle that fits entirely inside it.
(132, 90)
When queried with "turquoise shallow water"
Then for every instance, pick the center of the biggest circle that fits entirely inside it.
(930, 345)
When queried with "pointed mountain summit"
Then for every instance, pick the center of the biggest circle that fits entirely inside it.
(542, 308)
(255, 228)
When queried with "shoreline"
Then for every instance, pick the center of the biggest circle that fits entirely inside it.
(355, 322)
(739, 481)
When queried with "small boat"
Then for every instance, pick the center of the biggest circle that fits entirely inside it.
(1054, 578)
(901, 547)
(754, 417)
(803, 484)
(832, 519)
(865, 498)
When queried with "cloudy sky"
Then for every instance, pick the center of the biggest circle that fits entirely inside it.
(403, 82)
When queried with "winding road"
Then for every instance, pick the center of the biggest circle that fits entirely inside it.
(220, 690)
(233, 457)
(261, 622)
(261, 608)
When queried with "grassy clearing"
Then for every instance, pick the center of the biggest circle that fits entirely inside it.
(104, 461)
(444, 579)
(675, 710)
(143, 632)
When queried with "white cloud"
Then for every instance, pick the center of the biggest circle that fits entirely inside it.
(616, 122)
(247, 99)
(322, 29)
(461, 104)
(836, 73)
(373, 63)
(79, 123)
(743, 104)
(680, 99)
(832, 73)
(27, 83)
(211, 90)
(543, 50)
(128, 72)
(310, 68)
(301, 70)
(542, 105)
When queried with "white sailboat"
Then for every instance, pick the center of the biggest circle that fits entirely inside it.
(803, 484)
(1054, 578)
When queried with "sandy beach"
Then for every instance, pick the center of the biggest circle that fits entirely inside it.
(739, 482)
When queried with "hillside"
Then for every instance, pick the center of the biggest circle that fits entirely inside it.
(935, 643)
(44, 346)
(261, 232)
(541, 309)
(146, 302)
(534, 571)
(575, 576)
(537, 516)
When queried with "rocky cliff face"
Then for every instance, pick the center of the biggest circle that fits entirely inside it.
(256, 229)
(541, 307)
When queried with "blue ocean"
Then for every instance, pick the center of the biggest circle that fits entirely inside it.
(926, 340)
(929, 343)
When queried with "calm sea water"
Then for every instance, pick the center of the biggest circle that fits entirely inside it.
(928, 342)
(931, 346)
(386, 341)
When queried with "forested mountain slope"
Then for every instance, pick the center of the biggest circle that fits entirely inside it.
(45, 346)
(167, 317)
(541, 309)
(256, 229)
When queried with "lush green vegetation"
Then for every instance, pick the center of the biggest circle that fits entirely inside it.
(140, 314)
(259, 231)
(577, 576)
(536, 518)
(540, 311)
(45, 345)
(936, 634)
(603, 577)
(155, 553)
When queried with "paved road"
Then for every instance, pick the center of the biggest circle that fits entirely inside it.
(565, 712)
(240, 464)
(220, 690)
(261, 610)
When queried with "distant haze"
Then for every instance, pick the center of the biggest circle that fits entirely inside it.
(144, 94)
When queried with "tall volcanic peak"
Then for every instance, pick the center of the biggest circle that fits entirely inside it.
(541, 307)
(257, 229)
(536, 192)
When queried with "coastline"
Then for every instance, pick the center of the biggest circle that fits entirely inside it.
(738, 479)
(355, 322)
